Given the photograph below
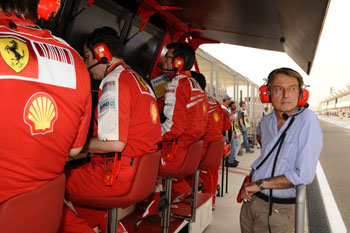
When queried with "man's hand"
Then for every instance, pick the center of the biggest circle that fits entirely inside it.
(278, 182)
(248, 191)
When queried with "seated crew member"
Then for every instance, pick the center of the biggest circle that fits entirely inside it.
(218, 121)
(185, 111)
(46, 102)
(127, 126)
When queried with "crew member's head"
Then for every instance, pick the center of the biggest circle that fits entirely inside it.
(232, 106)
(102, 49)
(226, 100)
(199, 78)
(28, 9)
(285, 85)
(178, 50)
(242, 104)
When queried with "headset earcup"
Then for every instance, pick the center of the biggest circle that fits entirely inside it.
(303, 97)
(102, 53)
(48, 7)
(178, 63)
(264, 94)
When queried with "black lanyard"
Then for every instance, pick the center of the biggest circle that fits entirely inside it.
(279, 142)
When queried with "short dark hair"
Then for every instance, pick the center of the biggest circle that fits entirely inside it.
(241, 103)
(185, 51)
(286, 71)
(231, 103)
(109, 37)
(199, 78)
(26, 8)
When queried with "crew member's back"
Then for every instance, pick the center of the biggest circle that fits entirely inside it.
(46, 105)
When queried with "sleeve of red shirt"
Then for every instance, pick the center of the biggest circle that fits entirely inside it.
(85, 117)
(114, 113)
(124, 106)
(226, 120)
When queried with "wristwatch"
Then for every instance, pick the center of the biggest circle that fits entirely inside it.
(260, 184)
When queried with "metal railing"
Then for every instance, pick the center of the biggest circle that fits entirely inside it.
(300, 209)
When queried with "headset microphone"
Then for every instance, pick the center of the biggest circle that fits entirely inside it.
(92, 66)
(161, 66)
(286, 116)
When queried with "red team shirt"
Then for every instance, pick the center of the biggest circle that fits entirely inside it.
(185, 103)
(45, 105)
(185, 109)
(127, 111)
(218, 121)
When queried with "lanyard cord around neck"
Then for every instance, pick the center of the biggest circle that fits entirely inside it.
(282, 137)
(279, 142)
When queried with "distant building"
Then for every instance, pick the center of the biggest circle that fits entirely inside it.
(337, 104)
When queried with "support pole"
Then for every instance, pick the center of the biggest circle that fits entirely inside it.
(300, 209)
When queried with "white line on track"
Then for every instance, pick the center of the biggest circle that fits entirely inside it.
(335, 220)
(336, 123)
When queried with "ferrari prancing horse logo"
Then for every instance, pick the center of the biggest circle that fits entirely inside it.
(15, 53)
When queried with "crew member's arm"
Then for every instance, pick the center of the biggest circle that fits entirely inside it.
(258, 134)
(226, 121)
(242, 124)
(114, 113)
(175, 109)
(258, 138)
(278, 182)
(94, 145)
(232, 117)
(75, 151)
(83, 128)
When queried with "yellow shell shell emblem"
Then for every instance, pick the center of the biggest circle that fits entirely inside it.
(204, 108)
(154, 112)
(40, 113)
(15, 53)
(216, 116)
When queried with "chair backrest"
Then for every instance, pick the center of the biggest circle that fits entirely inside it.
(213, 154)
(143, 185)
(36, 211)
(190, 164)
(145, 178)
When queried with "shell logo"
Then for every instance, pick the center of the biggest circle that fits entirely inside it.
(154, 112)
(204, 108)
(40, 113)
(216, 116)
